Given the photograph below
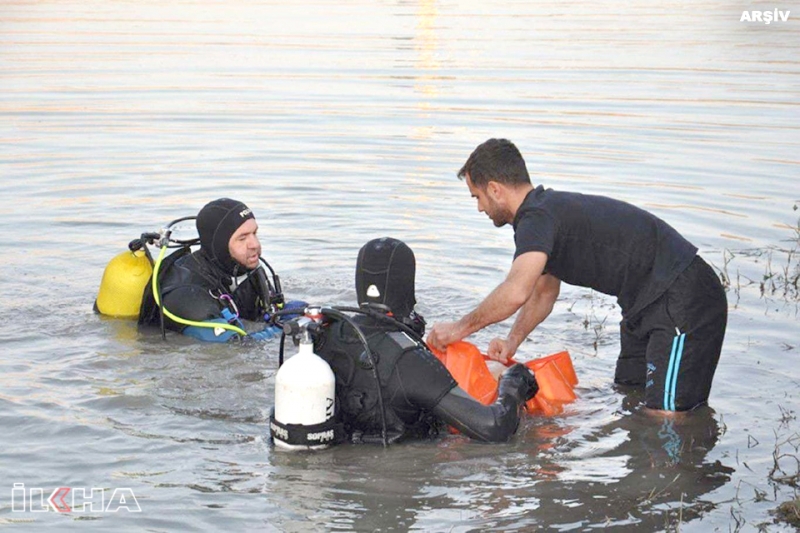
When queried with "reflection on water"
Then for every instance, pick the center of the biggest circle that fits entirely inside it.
(633, 470)
(342, 122)
(649, 468)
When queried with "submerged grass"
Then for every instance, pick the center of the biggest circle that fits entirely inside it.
(784, 474)
(789, 512)
(786, 471)
(779, 278)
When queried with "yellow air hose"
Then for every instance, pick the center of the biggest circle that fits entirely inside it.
(178, 319)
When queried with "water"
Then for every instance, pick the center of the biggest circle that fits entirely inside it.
(341, 122)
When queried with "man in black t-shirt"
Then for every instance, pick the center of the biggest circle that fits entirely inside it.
(674, 308)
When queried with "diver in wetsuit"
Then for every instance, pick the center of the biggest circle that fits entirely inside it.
(417, 392)
(221, 283)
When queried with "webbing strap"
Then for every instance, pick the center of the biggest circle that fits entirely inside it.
(328, 432)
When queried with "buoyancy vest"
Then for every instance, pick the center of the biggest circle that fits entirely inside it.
(412, 380)
(191, 286)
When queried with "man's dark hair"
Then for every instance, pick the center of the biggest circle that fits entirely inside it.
(495, 160)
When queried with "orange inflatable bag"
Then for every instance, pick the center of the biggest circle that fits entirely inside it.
(554, 374)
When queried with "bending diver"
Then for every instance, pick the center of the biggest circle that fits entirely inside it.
(206, 294)
(417, 392)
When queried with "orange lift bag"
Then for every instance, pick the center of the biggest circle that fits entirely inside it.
(554, 374)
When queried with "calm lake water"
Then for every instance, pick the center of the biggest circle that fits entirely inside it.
(338, 122)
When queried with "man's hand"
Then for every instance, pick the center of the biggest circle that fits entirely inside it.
(501, 350)
(505, 300)
(444, 333)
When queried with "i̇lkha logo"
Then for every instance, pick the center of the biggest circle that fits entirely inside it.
(33, 500)
(56, 499)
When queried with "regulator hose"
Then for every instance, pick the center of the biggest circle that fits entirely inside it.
(164, 311)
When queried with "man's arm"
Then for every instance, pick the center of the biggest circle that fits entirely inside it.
(536, 309)
(501, 303)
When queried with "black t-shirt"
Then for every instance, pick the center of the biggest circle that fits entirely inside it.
(606, 244)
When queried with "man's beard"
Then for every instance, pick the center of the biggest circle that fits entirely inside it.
(500, 218)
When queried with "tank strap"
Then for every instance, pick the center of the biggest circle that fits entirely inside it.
(328, 432)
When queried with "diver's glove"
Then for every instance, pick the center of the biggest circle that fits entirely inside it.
(299, 305)
(519, 383)
(292, 305)
(269, 332)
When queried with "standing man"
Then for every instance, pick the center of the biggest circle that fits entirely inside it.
(674, 309)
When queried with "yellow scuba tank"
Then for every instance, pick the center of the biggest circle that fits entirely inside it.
(123, 283)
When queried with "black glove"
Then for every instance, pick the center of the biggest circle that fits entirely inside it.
(519, 383)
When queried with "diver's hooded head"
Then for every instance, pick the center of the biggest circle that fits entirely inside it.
(217, 221)
(385, 273)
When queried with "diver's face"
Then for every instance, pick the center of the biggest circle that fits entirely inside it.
(244, 246)
(488, 203)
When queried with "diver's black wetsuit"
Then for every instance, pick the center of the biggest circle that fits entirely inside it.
(193, 287)
(418, 391)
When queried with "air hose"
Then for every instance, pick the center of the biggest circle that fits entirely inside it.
(179, 320)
